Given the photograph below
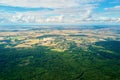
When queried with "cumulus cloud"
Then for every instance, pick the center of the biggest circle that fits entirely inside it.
(57, 19)
(63, 11)
(30, 17)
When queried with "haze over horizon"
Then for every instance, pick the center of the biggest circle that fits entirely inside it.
(59, 12)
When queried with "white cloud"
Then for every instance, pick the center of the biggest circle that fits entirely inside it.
(48, 3)
(40, 3)
(113, 8)
(65, 11)
(29, 17)
(32, 17)
(88, 14)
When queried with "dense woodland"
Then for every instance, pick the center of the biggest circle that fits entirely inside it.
(101, 61)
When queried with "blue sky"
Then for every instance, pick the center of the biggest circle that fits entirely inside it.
(59, 11)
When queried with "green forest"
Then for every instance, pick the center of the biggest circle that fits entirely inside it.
(101, 61)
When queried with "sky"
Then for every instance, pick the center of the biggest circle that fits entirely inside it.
(59, 12)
